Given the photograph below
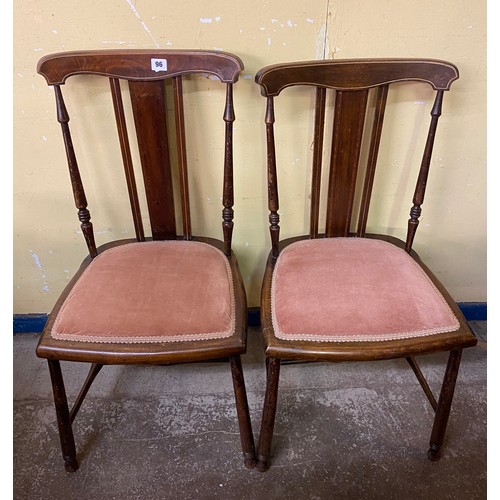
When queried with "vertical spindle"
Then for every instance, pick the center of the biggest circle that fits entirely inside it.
(272, 181)
(378, 121)
(121, 125)
(418, 197)
(182, 155)
(228, 189)
(319, 127)
(76, 181)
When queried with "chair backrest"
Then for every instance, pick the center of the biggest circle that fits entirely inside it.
(355, 83)
(146, 72)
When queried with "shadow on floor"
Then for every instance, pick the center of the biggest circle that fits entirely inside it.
(352, 430)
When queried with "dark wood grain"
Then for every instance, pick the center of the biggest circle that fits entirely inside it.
(63, 417)
(355, 74)
(350, 108)
(152, 140)
(136, 64)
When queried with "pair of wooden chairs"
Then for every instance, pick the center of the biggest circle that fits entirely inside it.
(168, 296)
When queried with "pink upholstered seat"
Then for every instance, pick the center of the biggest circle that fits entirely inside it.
(354, 289)
(157, 291)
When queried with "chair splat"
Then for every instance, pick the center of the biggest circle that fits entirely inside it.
(350, 109)
(151, 130)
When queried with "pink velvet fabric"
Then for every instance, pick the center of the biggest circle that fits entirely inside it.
(354, 289)
(158, 291)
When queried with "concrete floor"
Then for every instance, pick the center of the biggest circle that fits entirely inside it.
(353, 430)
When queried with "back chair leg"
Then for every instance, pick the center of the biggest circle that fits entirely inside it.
(244, 422)
(269, 413)
(63, 417)
(444, 405)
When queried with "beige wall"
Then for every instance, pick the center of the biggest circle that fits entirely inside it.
(452, 237)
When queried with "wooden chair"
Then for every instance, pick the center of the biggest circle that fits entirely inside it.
(159, 299)
(345, 294)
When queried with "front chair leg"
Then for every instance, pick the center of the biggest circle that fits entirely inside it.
(63, 417)
(245, 425)
(444, 405)
(268, 413)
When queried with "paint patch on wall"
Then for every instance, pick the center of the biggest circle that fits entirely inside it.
(322, 42)
(45, 286)
(209, 20)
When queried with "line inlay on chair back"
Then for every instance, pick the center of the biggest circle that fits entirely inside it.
(351, 81)
(146, 72)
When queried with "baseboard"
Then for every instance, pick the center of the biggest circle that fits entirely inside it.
(29, 323)
(254, 316)
(34, 323)
(474, 311)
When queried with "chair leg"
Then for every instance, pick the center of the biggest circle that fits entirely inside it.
(245, 425)
(268, 413)
(63, 417)
(444, 405)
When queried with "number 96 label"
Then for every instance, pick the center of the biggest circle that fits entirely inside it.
(159, 65)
